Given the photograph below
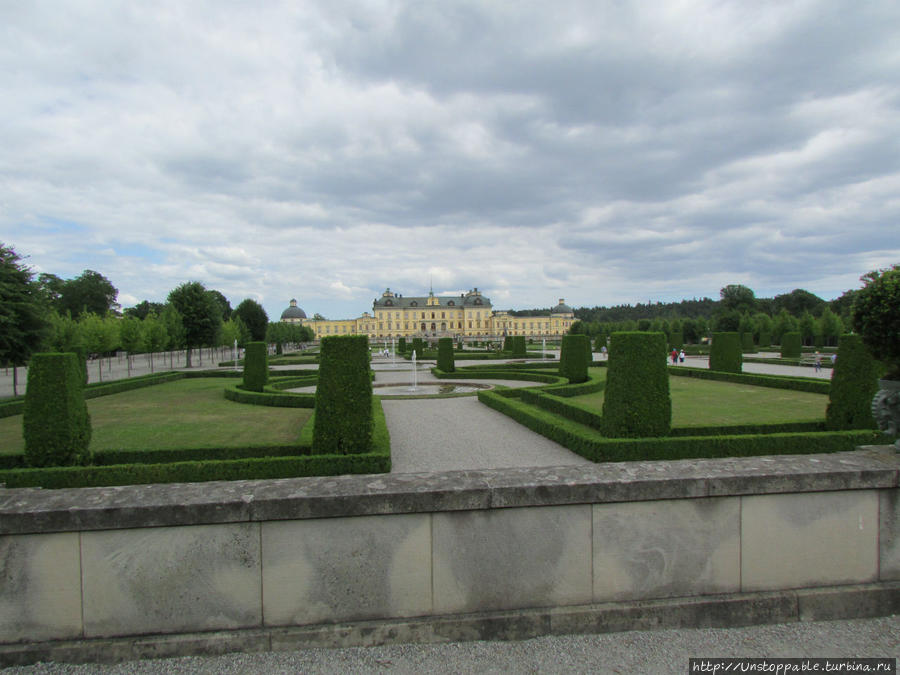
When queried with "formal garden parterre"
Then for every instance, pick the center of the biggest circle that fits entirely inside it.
(572, 409)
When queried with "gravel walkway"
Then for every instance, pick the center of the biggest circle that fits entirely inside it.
(658, 652)
(461, 433)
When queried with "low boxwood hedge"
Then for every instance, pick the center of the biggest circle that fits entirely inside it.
(815, 386)
(207, 464)
(592, 445)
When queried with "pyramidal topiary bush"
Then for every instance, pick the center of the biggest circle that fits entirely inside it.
(56, 423)
(343, 418)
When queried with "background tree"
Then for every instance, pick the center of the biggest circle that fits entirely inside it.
(22, 316)
(51, 288)
(831, 326)
(142, 309)
(132, 338)
(254, 318)
(91, 292)
(798, 301)
(809, 328)
(100, 335)
(155, 335)
(223, 303)
(200, 315)
(738, 297)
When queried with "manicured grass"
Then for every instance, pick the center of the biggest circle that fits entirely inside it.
(698, 403)
(191, 413)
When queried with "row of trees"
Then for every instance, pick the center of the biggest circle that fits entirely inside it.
(80, 315)
(737, 311)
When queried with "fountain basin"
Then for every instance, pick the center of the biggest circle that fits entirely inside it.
(429, 389)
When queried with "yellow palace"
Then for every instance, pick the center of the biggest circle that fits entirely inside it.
(469, 315)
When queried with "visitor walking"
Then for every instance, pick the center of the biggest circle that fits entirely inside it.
(818, 362)
(674, 356)
(681, 356)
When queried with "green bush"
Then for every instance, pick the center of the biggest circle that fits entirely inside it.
(573, 362)
(418, 346)
(765, 339)
(508, 343)
(519, 347)
(676, 339)
(401, 345)
(637, 401)
(747, 342)
(343, 420)
(592, 445)
(791, 344)
(876, 316)
(854, 383)
(725, 353)
(56, 423)
(812, 385)
(256, 367)
(445, 360)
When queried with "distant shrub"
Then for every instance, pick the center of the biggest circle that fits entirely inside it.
(676, 339)
(725, 353)
(56, 423)
(854, 383)
(637, 401)
(508, 343)
(343, 419)
(418, 346)
(401, 346)
(573, 361)
(445, 360)
(765, 339)
(256, 366)
(747, 342)
(519, 348)
(791, 344)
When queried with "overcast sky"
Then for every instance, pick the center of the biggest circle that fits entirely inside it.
(604, 152)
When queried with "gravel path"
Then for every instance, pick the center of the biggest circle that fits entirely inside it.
(657, 652)
(461, 433)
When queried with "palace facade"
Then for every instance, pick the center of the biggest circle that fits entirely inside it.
(467, 316)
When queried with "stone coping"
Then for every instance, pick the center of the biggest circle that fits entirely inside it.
(31, 510)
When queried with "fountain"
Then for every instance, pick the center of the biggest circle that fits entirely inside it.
(415, 375)
(543, 349)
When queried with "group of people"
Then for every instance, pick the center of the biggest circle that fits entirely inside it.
(676, 356)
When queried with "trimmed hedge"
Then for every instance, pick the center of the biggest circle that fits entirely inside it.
(854, 382)
(813, 385)
(256, 367)
(573, 359)
(637, 401)
(592, 445)
(519, 347)
(206, 464)
(747, 342)
(270, 397)
(56, 423)
(418, 346)
(445, 355)
(791, 344)
(725, 354)
(343, 421)
(676, 339)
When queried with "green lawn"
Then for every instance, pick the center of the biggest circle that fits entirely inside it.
(191, 413)
(708, 403)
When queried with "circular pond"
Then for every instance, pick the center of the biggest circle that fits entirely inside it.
(429, 389)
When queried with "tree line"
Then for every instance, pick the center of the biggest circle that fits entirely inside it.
(737, 310)
(81, 315)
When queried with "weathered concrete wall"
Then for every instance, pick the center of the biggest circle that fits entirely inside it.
(741, 537)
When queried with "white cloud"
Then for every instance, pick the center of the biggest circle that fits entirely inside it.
(599, 152)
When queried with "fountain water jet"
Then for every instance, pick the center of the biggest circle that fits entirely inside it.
(415, 374)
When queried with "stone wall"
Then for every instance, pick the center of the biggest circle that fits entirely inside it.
(509, 553)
